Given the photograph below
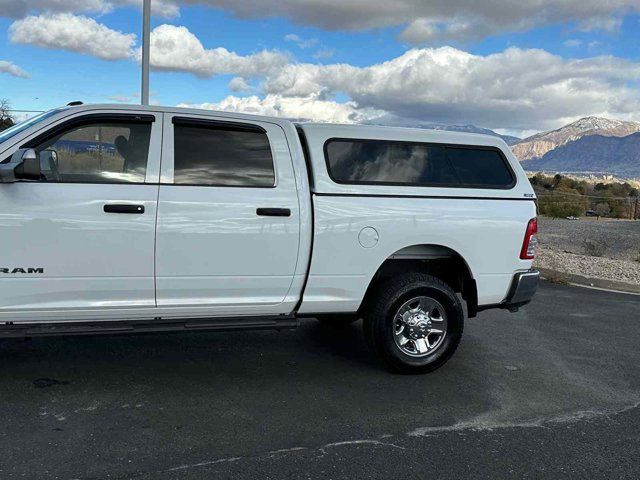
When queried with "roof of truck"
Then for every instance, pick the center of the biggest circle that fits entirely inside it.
(389, 133)
(182, 110)
(328, 129)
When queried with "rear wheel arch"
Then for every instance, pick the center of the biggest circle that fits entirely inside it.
(439, 261)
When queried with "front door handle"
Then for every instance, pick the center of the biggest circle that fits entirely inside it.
(273, 212)
(122, 208)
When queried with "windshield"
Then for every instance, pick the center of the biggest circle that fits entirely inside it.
(22, 126)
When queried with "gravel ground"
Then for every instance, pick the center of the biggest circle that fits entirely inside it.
(616, 243)
(593, 267)
(618, 239)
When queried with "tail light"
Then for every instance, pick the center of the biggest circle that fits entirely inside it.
(530, 243)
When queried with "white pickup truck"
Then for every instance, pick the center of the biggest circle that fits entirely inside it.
(127, 218)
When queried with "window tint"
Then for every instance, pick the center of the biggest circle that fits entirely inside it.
(222, 155)
(484, 168)
(405, 163)
(100, 152)
(385, 162)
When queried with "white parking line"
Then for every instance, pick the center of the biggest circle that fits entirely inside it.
(604, 289)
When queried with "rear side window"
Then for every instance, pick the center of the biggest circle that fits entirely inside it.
(415, 164)
(220, 154)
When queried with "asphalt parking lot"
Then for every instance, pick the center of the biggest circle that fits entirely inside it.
(551, 391)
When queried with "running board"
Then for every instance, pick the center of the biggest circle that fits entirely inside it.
(21, 330)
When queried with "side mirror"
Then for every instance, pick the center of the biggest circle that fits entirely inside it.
(24, 164)
(29, 169)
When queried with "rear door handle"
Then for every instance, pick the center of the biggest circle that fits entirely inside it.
(123, 208)
(273, 212)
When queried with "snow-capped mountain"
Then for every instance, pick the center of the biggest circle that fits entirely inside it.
(618, 156)
(538, 145)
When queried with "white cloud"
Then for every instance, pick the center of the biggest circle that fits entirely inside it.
(239, 84)
(608, 23)
(12, 69)
(324, 53)
(425, 30)
(321, 53)
(435, 20)
(301, 42)
(120, 98)
(299, 108)
(73, 33)
(177, 49)
(572, 43)
(517, 89)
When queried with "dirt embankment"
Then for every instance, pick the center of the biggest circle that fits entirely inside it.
(594, 249)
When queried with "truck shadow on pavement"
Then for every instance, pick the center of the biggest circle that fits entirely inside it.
(320, 366)
(313, 357)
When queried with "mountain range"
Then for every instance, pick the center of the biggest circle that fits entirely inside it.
(619, 156)
(591, 144)
(538, 145)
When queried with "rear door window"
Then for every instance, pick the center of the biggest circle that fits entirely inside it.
(221, 154)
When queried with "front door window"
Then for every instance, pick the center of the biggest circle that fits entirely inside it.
(98, 152)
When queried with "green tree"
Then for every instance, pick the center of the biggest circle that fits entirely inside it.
(603, 209)
(562, 204)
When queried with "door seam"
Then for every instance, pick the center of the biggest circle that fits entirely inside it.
(155, 231)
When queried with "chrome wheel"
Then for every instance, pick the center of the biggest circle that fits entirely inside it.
(420, 326)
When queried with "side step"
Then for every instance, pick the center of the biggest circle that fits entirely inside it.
(21, 330)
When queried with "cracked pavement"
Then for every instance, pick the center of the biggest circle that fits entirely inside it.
(551, 391)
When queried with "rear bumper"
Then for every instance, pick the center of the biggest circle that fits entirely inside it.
(523, 288)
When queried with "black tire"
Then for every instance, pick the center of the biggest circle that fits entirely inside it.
(383, 304)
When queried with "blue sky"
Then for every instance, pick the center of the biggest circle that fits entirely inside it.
(516, 72)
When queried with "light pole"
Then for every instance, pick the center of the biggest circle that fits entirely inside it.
(146, 35)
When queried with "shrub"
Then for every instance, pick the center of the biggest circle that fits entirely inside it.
(603, 209)
(594, 248)
(561, 205)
